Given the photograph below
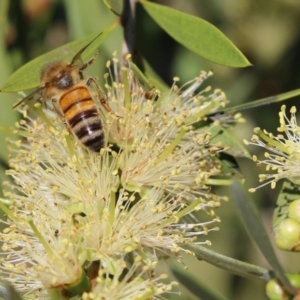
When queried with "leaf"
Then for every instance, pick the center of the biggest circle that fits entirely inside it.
(229, 264)
(197, 35)
(154, 78)
(28, 76)
(116, 6)
(220, 134)
(194, 286)
(289, 192)
(141, 77)
(263, 101)
(229, 167)
(253, 223)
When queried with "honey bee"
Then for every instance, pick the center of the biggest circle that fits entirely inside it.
(64, 85)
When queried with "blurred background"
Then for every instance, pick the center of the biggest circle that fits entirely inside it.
(268, 34)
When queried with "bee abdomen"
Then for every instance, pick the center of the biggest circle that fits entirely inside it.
(95, 143)
(83, 118)
(88, 128)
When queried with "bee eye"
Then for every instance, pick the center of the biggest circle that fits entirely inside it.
(63, 80)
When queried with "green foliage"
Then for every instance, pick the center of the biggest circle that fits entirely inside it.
(228, 140)
(229, 264)
(116, 6)
(27, 77)
(197, 35)
(250, 217)
(194, 285)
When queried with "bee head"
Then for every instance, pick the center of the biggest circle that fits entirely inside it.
(59, 75)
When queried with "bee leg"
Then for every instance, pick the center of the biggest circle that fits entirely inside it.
(54, 103)
(60, 115)
(85, 65)
(101, 97)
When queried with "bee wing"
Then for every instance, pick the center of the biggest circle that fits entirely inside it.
(77, 60)
(36, 94)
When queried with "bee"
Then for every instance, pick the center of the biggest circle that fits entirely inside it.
(64, 85)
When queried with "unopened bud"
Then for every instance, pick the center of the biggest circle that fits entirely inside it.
(287, 235)
(294, 210)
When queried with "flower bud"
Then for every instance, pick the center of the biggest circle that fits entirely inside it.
(294, 210)
(287, 235)
(275, 291)
(294, 279)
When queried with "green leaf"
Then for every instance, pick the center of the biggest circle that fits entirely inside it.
(116, 6)
(197, 35)
(229, 170)
(229, 264)
(193, 285)
(157, 82)
(227, 139)
(253, 223)
(143, 80)
(28, 76)
(289, 192)
(263, 101)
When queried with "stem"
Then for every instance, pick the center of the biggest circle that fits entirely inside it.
(229, 264)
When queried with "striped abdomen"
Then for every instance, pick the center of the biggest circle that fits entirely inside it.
(82, 116)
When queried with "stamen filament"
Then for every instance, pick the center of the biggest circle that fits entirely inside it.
(171, 147)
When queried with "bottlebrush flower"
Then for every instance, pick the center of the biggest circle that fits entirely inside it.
(85, 224)
(283, 152)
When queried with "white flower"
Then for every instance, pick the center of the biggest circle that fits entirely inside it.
(119, 211)
(283, 150)
(116, 281)
(161, 147)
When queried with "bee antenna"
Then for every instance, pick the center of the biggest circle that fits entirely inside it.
(30, 96)
(78, 55)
